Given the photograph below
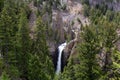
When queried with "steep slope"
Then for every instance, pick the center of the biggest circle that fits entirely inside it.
(67, 22)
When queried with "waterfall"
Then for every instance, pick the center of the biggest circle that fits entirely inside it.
(60, 48)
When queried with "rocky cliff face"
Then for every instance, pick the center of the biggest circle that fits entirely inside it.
(67, 24)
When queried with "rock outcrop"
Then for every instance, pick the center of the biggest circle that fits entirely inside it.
(32, 19)
(67, 24)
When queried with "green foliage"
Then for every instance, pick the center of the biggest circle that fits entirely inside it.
(8, 19)
(89, 68)
(40, 65)
(116, 65)
(22, 45)
(21, 60)
(86, 10)
(15, 44)
(106, 24)
(38, 70)
(5, 29)
(35, 68)
(13, 72)
(69, 71)
(4, 76)
(116, 57)
(85, 2)
(101, 34)
(1, 4)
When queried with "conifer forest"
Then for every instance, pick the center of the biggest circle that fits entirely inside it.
(59, 39)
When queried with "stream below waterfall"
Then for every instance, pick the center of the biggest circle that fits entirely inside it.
(60, 49)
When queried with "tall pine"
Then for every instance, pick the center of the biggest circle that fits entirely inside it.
(88, 69)
(7, 35)
(40, 64)
(108, 38)
(23, 44)
(69, 71)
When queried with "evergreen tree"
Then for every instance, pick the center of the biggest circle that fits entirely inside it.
(69, 71)
(107, 24)
(23, 44)
(109, 36)
(7, 35)
(40, 65)
(116, 65)
(88, 69)
(1, 4)
(4, 76)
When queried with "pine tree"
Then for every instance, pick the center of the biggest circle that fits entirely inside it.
(109, 36)
(5, 30)
(88, 69)
(23, 44)
(69, 71)
(116, 65)
(42, 69)
(1, 4)
(7, 34)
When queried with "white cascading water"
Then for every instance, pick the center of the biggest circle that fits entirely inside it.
(60, 48)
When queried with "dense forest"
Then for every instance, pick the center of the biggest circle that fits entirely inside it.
(29, 29)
